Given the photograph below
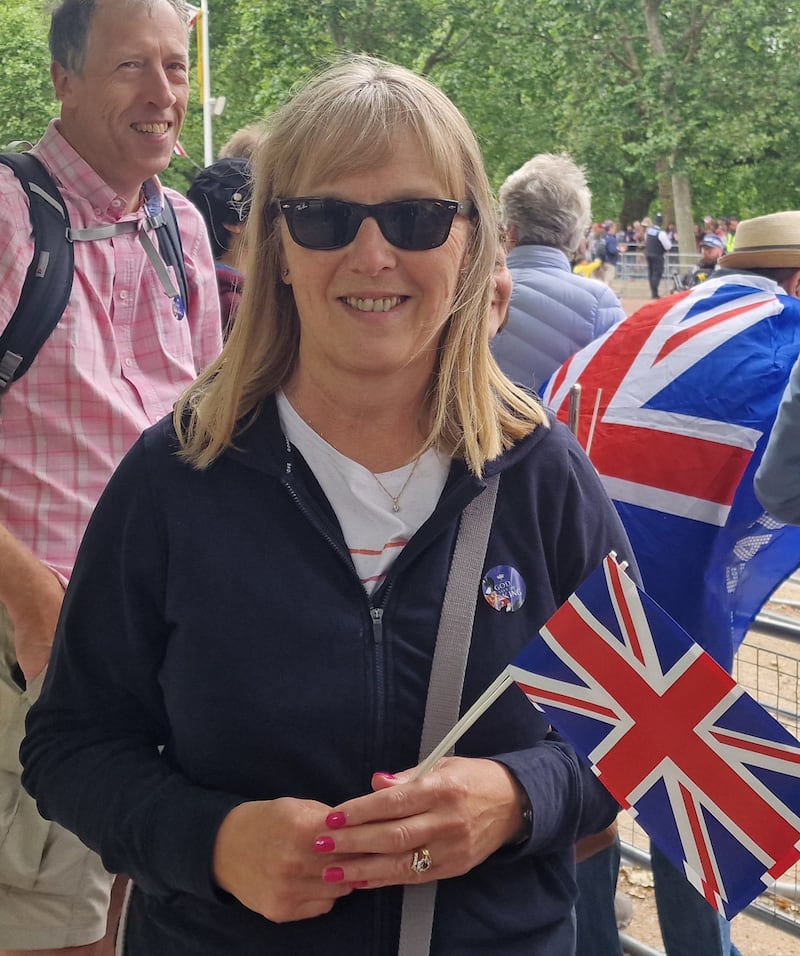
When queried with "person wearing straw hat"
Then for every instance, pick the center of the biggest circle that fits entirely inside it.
(765, 258)
(770, 243)
(777, 480)
(723, 353)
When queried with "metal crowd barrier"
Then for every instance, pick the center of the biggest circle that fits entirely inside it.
(632, 267)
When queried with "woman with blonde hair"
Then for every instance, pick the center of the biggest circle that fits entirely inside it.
(239, 692)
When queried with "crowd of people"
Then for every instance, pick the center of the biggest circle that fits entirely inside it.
(632, 236)
(608, 247)
(251, 542)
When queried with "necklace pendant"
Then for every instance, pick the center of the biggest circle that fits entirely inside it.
(395, 499)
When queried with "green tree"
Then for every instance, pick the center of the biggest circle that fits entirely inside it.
(26, 93)
(661, 100)
(469, 48)
(671, 95)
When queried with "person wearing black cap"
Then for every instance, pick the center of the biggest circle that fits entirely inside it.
(221, 192)
(712, 247)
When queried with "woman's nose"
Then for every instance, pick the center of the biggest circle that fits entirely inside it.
(370, 250)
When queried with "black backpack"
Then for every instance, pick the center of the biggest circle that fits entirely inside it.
(48, 282)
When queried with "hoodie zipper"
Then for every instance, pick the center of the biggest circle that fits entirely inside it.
(376, 622)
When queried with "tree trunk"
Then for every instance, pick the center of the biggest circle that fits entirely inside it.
(682, 195)
(679, 182)
(664, 173)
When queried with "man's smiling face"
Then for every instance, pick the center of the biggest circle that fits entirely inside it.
(124, 110)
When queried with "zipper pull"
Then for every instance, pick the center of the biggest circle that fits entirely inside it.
(376, 613)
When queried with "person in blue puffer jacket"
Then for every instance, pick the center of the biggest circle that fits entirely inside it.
(546, 209)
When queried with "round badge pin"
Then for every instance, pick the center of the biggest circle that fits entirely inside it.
(503, 588)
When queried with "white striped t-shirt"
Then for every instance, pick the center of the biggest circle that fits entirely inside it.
(375, 534)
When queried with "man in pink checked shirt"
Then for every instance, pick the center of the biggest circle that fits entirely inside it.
(125, 348)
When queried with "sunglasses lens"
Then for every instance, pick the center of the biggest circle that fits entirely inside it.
(417, 224)
(322, 223)
(413, 224)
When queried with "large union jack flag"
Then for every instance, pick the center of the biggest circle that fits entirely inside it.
(676, 405)
(711, 777)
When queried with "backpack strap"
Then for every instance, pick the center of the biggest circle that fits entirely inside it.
(161, 217)
(48, 282)
(166, 251)
(171, 248)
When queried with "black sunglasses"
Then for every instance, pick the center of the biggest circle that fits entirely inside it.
(412, 224)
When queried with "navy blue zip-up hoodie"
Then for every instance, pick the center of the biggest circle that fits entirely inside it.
(217, 614)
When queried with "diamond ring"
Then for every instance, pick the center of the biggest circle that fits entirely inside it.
(421, 860)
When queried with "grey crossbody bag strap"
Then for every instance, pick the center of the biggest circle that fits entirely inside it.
(446, 682)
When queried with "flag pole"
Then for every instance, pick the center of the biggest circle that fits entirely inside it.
(593, 422)
(205, 86)
(482, 704)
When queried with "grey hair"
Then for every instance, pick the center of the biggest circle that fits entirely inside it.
(71, 21)
(548, 201)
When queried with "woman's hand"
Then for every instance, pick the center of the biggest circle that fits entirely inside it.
(460, 812)
(265, 857)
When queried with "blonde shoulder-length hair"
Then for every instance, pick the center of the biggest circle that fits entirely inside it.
(346, 119)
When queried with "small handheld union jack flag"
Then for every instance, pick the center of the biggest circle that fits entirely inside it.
(711, 777)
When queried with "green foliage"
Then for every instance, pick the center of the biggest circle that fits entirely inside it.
(26, 94)
(712, 97)
(631, 88)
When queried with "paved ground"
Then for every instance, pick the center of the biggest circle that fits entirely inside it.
(633, 294)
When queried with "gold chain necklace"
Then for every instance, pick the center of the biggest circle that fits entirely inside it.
(396, 498)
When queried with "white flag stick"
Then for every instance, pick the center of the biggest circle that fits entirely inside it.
(483, 703)
(590, 437)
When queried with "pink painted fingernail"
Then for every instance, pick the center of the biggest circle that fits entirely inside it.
(385, 775)
(335, 820)
(333, 874)
(359, 884)
(324, 844)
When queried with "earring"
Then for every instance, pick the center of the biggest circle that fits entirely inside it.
(284, 273)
